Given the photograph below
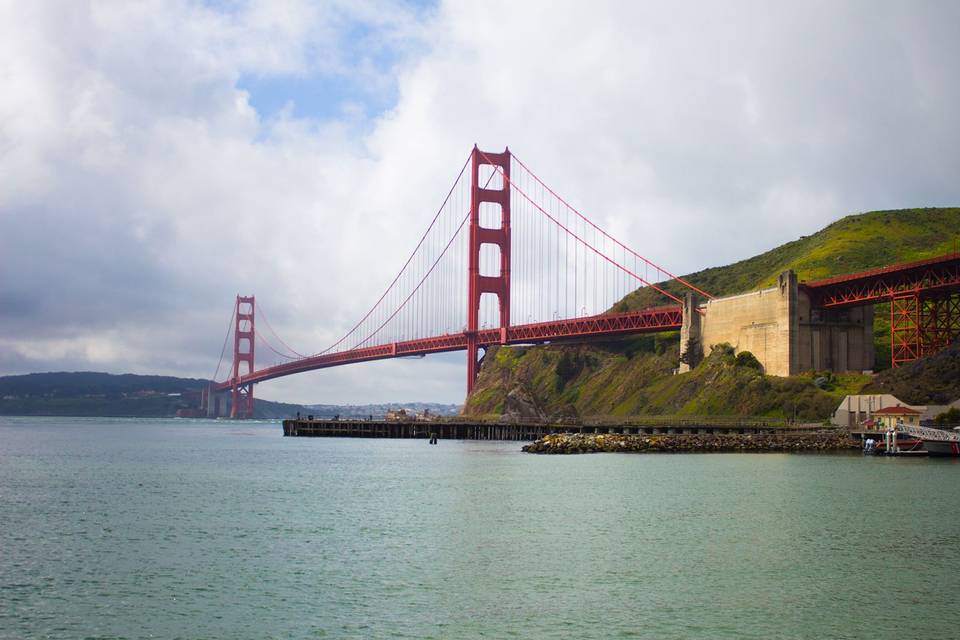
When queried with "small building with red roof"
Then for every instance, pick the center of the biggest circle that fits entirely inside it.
(890, 416)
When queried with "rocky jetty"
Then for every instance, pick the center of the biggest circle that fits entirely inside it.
(826, 440)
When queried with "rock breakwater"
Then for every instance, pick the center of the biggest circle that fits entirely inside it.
(565, 443)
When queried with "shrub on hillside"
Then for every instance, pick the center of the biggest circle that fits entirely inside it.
(748, 360)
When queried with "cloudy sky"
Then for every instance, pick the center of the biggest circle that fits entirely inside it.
(157, 158)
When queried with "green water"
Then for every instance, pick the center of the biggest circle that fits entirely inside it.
(195, 529)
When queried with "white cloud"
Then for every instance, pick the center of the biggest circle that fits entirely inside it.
(142, 190)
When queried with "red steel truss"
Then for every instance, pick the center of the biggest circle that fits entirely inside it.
(881, 285)
(905, 335)
(646, 321)
(939, 323)
(922, 326)
(924, 305)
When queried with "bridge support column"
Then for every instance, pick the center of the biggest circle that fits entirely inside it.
(906, 341)
(214, 404)
(243, 348)
(478, 284)
(241, 401)
(691, 345)
(209, 402)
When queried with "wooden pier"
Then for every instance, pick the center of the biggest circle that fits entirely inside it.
(464, 429)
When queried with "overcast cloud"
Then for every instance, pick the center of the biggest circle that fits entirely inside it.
(158, 158)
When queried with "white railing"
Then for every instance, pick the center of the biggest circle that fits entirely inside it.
(927, 433)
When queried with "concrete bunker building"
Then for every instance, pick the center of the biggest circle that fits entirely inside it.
(782, 328)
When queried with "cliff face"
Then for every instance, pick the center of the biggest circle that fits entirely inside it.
(605, 380)
(556, 381)
(634, 376)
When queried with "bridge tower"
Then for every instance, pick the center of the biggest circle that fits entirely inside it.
(243, 343)
(498, 285)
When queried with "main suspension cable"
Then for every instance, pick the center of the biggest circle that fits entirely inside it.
(577, 237)
(403, 268)
(623, 246)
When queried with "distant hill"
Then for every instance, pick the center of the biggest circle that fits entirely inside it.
(634, 376)
(94, 394)
(90, 383)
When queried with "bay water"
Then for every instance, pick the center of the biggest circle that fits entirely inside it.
(115, 528)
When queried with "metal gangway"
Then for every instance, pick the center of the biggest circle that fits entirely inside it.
(928, 433)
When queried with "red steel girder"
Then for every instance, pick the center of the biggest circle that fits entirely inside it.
(931, 276)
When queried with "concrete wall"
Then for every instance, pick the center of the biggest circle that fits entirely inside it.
(779, 327)
(834, 339)
(762, 322)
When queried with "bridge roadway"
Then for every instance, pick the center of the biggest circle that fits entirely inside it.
(613, 324)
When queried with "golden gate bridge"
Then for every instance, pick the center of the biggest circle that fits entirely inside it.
(506, 260)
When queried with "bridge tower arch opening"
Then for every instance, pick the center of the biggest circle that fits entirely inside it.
(478, 284)
(244, 335)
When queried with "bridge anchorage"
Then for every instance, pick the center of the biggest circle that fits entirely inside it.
(506, 260)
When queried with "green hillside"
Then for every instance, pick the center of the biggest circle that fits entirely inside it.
(604, 380)
(851, 244)
(635, 376)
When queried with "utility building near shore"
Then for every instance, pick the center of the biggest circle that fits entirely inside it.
(889, 417)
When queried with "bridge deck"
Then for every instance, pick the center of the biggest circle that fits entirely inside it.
(646, 321)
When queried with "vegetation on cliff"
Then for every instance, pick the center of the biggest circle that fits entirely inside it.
(635, 376)
(609, 380)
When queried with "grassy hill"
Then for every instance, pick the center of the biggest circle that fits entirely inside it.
(851, 244)
(635, 376)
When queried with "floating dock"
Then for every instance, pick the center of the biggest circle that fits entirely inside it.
(463, 429)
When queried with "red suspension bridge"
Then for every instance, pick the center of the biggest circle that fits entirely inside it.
(505, 260)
